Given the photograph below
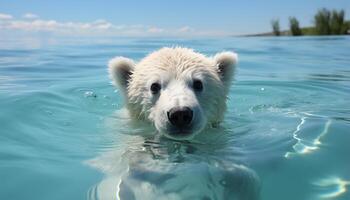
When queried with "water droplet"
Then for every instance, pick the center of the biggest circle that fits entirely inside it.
(262, 89)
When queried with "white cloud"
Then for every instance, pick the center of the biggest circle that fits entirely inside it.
(4, 16)
(30, 23)
(185, 29)
(30, 16)
(155, 30)
(98, 27)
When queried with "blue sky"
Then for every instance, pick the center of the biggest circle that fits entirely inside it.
(156, 17)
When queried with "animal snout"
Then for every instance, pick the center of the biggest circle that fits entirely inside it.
(180, 116)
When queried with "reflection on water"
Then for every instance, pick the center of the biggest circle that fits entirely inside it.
(154, 167)
(345, 77)
(332, 187)
(307, 146)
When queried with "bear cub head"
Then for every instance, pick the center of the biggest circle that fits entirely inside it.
(177, 89)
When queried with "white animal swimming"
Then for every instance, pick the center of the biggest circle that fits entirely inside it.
(183, 95)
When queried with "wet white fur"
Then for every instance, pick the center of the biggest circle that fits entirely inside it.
(175, 69)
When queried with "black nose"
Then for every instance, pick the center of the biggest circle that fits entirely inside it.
(180, 117)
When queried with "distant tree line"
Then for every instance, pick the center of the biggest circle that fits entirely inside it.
(276, 27)
(294, 26)
(326, 22)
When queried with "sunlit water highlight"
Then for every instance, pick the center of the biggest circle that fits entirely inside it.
(64, 134)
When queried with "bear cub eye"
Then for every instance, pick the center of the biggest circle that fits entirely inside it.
(198, 85)
(155, 88)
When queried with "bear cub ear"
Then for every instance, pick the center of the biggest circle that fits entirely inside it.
(226, 64)
(120, 70)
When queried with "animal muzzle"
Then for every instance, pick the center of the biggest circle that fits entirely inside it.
(180, 117)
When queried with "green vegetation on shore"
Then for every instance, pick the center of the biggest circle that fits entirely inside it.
(276, 27)
(294, 28)
(326, 22)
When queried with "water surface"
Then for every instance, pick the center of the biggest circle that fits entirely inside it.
(288, 118)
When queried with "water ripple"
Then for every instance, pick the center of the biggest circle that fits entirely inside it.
(331, 187)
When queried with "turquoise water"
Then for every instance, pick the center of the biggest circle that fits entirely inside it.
(63, 134)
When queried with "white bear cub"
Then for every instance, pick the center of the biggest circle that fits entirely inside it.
(180, 91)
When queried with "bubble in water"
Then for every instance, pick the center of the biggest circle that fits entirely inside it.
(90, 94)
(48, 112)
(223, 182)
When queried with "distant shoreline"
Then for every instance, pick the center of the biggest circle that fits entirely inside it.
(306, 31)
(284, 33)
